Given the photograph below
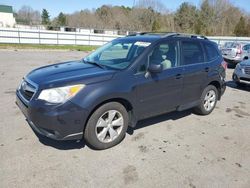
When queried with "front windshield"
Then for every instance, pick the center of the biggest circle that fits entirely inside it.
(118, 54)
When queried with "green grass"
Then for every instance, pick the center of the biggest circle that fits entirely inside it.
(47, 47)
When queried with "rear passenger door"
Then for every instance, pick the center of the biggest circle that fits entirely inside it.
(195, 70)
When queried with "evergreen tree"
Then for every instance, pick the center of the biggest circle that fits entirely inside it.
(185, 17)
(45, 17)
(156, 26)
(61, 19)
(241, 28)
(206, 16)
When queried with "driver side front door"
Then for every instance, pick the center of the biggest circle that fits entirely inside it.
(158, 93)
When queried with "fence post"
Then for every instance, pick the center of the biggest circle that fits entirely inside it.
(57, 42)
(89, 36)
(75, 38)
(39, 35)
(18, 32)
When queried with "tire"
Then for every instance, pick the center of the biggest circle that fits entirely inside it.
(207, 103)
(107, 126)
(236, 80)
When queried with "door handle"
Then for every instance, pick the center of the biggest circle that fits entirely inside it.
(178, 76)
(207, 69)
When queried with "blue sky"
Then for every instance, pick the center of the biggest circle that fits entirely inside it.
(69, 6)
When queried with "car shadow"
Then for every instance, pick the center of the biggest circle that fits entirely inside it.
(154, 120)
(79, 144)
(243, 87)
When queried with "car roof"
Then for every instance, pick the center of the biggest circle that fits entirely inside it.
(151, 36)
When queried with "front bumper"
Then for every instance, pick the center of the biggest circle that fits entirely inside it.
(61, 122)
(240, 76)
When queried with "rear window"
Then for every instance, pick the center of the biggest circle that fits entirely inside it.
(231, 45)
(212, 52)
(192, 53)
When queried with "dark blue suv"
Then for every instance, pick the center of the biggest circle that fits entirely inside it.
(126, 80)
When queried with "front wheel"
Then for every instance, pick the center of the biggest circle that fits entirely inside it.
(107, 126)
(208, 100)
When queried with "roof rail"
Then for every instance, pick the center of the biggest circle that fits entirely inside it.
(137, 34)
(169, 34)
(152, 33)
(187, 35)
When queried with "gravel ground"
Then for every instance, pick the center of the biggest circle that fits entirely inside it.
(179, 149)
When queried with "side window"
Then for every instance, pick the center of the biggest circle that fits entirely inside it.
(211, 51)
(165, 54)
(192, 53)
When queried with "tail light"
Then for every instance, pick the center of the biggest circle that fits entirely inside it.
(239, 50)
(224, 64)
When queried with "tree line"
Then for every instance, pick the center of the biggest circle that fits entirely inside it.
(212, 17)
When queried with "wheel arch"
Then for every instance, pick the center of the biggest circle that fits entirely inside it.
(126, 103)
(218, 87)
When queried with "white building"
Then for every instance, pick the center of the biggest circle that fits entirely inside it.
(6, 16)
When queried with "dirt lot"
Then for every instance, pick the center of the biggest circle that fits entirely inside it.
(174, 150)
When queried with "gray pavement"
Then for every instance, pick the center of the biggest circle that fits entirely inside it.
(179, 149)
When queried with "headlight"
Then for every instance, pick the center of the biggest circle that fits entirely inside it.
(238, 66)
(60, 94)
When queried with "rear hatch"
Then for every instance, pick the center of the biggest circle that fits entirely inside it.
(231, 50)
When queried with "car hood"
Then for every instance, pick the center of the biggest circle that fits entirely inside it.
(245, 63)
(69, 72)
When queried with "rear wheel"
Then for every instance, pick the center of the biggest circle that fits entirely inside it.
(208, 100)
(107, 126)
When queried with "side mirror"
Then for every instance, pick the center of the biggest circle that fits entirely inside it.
(155, 68)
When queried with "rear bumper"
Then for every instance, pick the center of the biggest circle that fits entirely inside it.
(233, 60)
(63, 122)
(223, 88)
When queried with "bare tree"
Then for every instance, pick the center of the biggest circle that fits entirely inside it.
(212, 17)
(156, 5)
(26, 15)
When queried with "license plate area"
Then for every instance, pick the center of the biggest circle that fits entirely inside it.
(23, 107)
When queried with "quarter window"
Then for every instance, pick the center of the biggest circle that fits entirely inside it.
(192, 53)
(212, 53)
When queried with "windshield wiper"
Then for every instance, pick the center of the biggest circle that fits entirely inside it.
(94, 63)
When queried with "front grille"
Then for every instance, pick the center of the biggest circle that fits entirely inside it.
(247, 70)
(27, 90)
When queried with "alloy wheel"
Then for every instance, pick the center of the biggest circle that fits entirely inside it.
(209, 101)
(109, 126)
